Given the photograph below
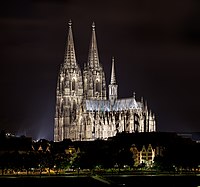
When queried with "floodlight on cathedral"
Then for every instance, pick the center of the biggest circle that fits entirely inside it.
(83, 111)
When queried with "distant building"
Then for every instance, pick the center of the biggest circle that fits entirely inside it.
(83, 111)
(195, 136)
(144, 155)
(9, 143)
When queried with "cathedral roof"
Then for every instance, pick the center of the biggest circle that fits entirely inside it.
(119, 105)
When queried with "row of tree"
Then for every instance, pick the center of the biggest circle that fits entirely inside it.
(105, 154)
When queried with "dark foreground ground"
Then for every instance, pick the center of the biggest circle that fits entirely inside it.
(88, 181)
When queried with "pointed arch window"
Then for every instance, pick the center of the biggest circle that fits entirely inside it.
(73, 84)
(98, 86)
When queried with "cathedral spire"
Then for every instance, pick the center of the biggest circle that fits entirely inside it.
(113, 79)
(93, 57)
(70, 58)
(113, 86)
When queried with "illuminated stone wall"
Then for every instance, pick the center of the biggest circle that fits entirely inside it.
(83, 111)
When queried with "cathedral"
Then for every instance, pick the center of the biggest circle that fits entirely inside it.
(84, 111)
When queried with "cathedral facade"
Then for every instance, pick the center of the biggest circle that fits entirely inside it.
(83, 111)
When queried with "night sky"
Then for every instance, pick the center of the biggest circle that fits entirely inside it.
(156, 45)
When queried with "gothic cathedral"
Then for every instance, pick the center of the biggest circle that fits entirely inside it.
(83, 111)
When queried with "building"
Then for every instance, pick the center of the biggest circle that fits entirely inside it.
(144, 156)
(83, 111)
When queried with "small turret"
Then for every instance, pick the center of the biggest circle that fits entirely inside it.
(113, 79)
(113, 86)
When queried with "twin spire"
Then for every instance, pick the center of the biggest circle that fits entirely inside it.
(70, 57)
(93, 57)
